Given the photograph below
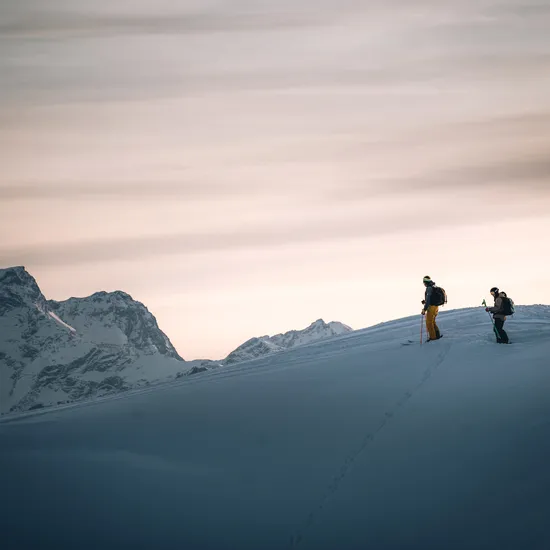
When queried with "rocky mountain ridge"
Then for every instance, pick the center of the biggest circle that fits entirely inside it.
(264, 345)
(54, 352)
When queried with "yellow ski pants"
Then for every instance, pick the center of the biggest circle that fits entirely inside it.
(431, 326)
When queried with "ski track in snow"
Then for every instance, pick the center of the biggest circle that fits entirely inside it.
(297, 538)
(306, 508)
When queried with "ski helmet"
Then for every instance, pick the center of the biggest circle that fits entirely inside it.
(494, 289)
(427, 279)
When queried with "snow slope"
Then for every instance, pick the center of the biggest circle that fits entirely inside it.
(352, 443)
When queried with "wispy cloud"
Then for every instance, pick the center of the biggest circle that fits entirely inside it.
(117, 191)
(529, 176)
(377, 223)
(73, 25)
(84, 19)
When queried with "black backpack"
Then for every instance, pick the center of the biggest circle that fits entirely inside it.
(507, 307)
(438, 297)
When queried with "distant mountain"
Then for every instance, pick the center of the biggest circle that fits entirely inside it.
(114, 318)
(265, 345)
(54, 352)
(58, 352)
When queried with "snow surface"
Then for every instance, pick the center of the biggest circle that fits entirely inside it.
(353, 443)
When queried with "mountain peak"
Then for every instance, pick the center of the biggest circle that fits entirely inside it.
(16, 275)
(18, 288)
(265, 345)
(115, 294)
(76, 348)
(123, 321)
(319, 324)
(14, 268)
(334, 326)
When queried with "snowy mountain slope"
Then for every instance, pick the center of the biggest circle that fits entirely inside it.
(115, 318)
(56, 352)
(351, 443)
(53, 352)
(265, 345)
(252, 349)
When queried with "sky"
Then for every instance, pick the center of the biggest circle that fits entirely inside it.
(247, 167)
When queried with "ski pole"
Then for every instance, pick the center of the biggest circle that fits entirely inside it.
(421, 328)
(484, 303)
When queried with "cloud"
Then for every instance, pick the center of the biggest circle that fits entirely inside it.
(527, 175)
(522, 172)
(533, 172)
(359, 46)
(96, 24)
(522, 9)
(365, 74)
(26, 18)
(114, 191)
(374, 223)
(527, 122)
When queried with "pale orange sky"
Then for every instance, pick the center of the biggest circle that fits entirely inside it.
(244, 168)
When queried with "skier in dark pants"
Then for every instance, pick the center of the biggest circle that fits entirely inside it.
(498, 315)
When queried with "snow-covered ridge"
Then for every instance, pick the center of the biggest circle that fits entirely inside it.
(56, 352)
(115, 318)
(265, 345)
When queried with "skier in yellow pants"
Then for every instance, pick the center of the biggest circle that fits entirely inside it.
(431, 308)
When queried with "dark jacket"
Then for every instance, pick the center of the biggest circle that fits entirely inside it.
(428, 296)
(497, 310)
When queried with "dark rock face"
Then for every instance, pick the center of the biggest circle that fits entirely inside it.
(17, 288)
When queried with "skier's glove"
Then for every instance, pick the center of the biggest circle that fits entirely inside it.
(423, 312)
(423, 302)
(487, 310)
